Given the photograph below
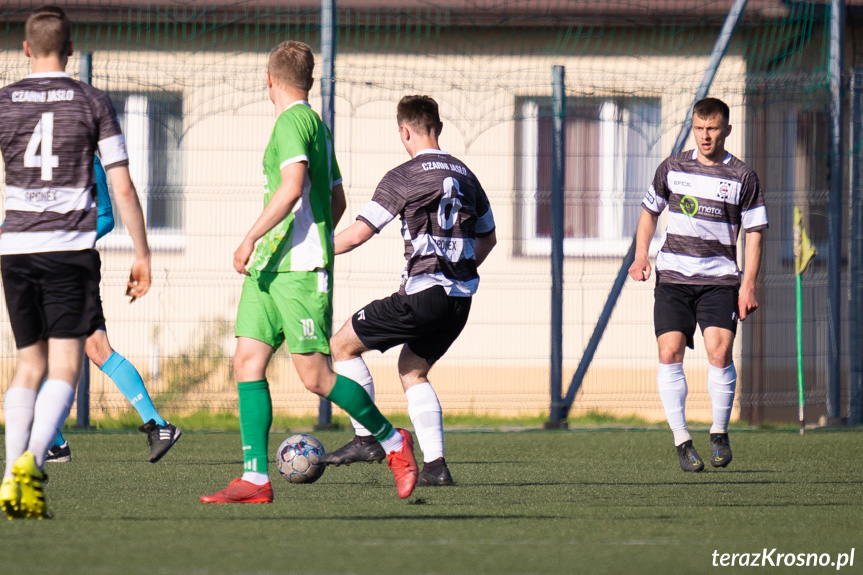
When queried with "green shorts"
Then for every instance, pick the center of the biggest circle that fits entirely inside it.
(291, 307)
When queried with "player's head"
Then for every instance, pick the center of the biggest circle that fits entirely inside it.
(710, 126)
(291, 65)
(421, 114)
(48, 32)
(710, 107)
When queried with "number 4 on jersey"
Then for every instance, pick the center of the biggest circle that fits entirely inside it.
(43, 133)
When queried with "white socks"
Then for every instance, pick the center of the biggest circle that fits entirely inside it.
(50, 413)
(18, 406)
(357, 370)
(425, 413)
(672, 391)
(721, 383)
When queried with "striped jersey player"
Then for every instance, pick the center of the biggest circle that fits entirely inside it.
(710, 196)
(51, 126)
(448, 229)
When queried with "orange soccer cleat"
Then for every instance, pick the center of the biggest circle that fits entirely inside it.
(240, 491)
(403, 464)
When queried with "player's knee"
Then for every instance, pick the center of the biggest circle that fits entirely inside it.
(321, 384)
(670, 355)
(97, 353)
(32, 371)
(246, 368)
(719, 358)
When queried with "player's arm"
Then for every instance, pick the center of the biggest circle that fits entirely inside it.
(354, 236)
(746, 302)
(133, 217)
(105, 221)
(277, 209)
(640, 268)
(338, 204)
(483, 246)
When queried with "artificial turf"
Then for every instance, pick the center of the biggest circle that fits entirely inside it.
(577, 501)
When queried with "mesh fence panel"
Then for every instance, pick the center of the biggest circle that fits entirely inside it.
(188, 82)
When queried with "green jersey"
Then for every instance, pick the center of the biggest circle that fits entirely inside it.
(303, 241)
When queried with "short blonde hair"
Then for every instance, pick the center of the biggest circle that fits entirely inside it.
(292, 63)
(48, 31)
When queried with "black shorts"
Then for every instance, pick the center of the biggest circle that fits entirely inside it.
(678, 307)
(428, 322)
(52, 295)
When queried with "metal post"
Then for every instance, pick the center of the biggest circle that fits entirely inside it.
(558, 118)
(719, 49)
(834, 218)
(82, 399)
(855, 253)
(328, 115)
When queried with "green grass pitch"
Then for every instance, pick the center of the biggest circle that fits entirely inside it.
(580, 501)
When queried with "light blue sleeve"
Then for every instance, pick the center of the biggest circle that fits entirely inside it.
(105, 223)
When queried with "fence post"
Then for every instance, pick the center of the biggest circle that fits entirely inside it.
(855, 253)
(557, 417)
(328, 115)
(834, 212)
(82, 399)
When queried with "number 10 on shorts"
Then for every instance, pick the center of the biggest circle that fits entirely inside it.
(308, 328)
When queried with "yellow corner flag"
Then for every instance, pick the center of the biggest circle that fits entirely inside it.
(804, 250)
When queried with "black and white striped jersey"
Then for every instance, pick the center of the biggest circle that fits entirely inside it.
(443, 209)
(707, 205)
(50, 127)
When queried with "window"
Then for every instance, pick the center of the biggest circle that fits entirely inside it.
(153, 127)
(612, 149)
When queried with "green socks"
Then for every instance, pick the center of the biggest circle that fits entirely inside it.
(350, 396)
(256, 417)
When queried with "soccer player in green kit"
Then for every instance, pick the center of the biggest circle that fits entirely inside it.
(287, 292)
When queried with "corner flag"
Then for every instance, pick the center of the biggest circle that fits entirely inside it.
(804, 251)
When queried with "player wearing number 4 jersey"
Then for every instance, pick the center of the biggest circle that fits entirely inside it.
(448, 227)
(710, 195)
(50, 128)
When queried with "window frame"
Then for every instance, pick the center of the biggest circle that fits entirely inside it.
(608, 244)
(161, 238)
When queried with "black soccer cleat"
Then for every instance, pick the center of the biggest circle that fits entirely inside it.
(689, 460)
(362, 448)
(435, 473)
(161, 438)
(720, 450)
(59, 454)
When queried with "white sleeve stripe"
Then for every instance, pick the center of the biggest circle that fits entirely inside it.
(336, 183)
(755, 217)
(113, 150)
(294, 160)
(376, 215)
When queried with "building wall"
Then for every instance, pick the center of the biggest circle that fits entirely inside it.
(500, 364)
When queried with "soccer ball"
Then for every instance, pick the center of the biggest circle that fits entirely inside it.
(298, 458)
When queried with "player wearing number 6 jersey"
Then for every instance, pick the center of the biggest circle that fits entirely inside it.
(50, 128)
(448, 227)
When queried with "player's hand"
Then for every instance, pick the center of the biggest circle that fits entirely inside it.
(242, 256)
(746, 302)
(139, 279)
(640, 269)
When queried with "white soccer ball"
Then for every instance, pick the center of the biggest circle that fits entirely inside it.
(298, 458)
